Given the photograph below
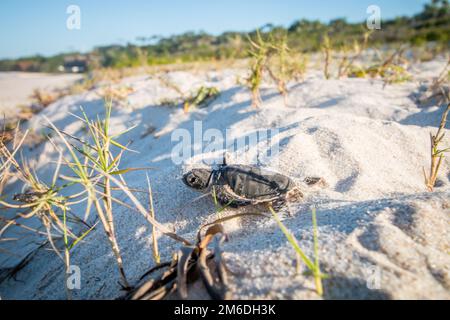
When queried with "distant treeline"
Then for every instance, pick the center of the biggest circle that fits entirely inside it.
(430, 25)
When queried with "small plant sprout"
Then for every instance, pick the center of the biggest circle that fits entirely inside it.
(279, 70)
(202, 98)
(260, 51)
(313, 266)
(297, 66)
(391, 69)
(347, 63)
(437, 154)
(326, 49)
(344, 60)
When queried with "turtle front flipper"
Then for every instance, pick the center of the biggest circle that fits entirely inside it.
(227, 198)
(294, 195)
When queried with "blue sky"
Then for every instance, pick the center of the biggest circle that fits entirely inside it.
(39, 27)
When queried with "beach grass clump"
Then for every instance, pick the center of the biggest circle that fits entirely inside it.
(272, 55)
(259, 52)
(41, 201)
(437, 153)
(96, 168)
(201, 98)
(391, 69)
(439, 90)
(93, 170)
(284, 64)
(297, 65)
(278, 69)
(99, 156)
(327, 54)
(351, 56)
(348, 54)
(44, 98)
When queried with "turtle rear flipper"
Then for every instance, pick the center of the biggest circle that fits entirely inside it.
(294, 195)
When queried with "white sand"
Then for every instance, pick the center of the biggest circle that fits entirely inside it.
(17, 87)
(381, 234)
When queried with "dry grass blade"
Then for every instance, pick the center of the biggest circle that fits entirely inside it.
(157, 288)
(216, 289)
(145, 213)
(222, 268)
(207, 277)
(228, 218)
(260, 53)
(184, 257)
(185, 267)
(283, 66)
(317, 272)
(439, 90)
(10, 222)
(7, 158)
(326, 49)
(156, 255)
(437, 154)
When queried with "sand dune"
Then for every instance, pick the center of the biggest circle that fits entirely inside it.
(381, 234)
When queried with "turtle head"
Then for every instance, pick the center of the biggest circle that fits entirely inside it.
(198, 179)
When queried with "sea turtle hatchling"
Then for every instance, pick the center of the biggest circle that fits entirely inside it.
(243, 185)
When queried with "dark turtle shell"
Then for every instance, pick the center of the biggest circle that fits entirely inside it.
(253, 183)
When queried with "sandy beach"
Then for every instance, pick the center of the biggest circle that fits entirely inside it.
(17, 87)
(381, 234)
